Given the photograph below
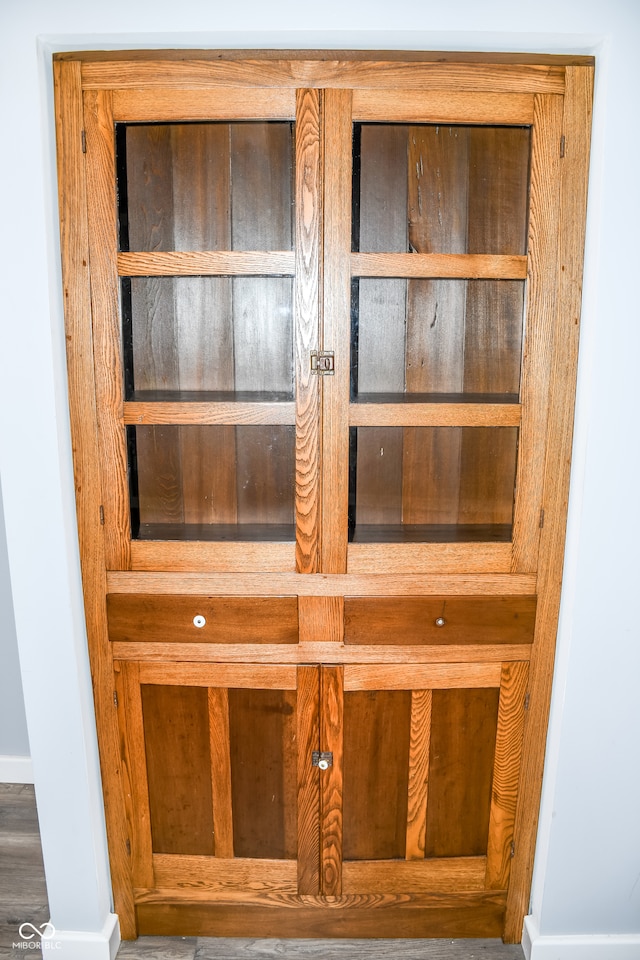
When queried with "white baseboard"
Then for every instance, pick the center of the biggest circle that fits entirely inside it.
(77, 944)
(16, 769)
(584, 947)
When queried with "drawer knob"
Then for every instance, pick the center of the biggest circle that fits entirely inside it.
(440, 621)
(199, 621)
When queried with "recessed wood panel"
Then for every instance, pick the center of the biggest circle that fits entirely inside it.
(376, 772)
(439, 620)
(463, 736)
(142, 619)
(176, 730)
(262, 731)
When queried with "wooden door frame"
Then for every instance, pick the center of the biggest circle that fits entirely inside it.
(569, 77)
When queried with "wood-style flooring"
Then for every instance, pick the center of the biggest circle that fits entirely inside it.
(23, 897)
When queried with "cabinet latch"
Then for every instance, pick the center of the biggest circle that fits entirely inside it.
(322, 362)
(322, 760)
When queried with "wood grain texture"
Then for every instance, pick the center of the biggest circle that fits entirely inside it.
(452, 265)
(220, 104)
(506, 771)
(432, 677)
(387, 949)
(201, 263)
(415, 56)
(263, 730)
(320, 652)
(176, 739)
(437, 558)
(321, 619)
(223, 412)
(209, 875)
(541, 317)
(308, 740)
(437, 875)
(219, 739)
(376, 756)
(74, 244)
(341, 72)
(243, 676)
(337, 139)
(134, 771)
(108, 377)
(463, 733)
(228, 620)
(308, 206)
(387, 583)
(573, 198)
(413, 620)
(371, 916)
(220, 556)
(331, 781)
(412, 106)
(418, 781)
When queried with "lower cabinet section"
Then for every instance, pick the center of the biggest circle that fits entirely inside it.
(321, 800)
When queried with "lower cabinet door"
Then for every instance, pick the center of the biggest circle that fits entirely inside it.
(355, 800)
(221, 805)
(431, 758)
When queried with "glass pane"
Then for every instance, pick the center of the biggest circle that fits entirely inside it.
(262, 735)
(205, 186)
(441, 484)
(212, 482)
(186, 337)
(429, 188)
(437, 339)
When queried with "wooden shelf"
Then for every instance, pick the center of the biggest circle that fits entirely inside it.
(432, 533)
(234, 532)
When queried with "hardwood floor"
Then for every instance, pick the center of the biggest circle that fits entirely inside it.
(23, 898)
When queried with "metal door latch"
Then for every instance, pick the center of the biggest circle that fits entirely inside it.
(322, 363)
(322, 760)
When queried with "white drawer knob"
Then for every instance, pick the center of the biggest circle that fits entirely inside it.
(199, 621)
(440, 621)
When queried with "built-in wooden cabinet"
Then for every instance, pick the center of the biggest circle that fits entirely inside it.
(322, 316)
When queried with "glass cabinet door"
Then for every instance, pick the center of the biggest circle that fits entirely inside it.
(208, 187)
(436, 189)
(212, 298)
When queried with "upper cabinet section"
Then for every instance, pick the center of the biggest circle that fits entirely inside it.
(324, 303)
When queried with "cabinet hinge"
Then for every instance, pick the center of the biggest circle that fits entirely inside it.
(128, 846)
(541, 523)
(115, 698)
(101, 515)
(527, 701)
(512, 851)
(322, 363)
(562, 142)
(83, 136)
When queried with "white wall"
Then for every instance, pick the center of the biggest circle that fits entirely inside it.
(15, 763)
(588, 860)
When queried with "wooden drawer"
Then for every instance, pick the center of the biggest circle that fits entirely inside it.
(426, 620)
(141, 618)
